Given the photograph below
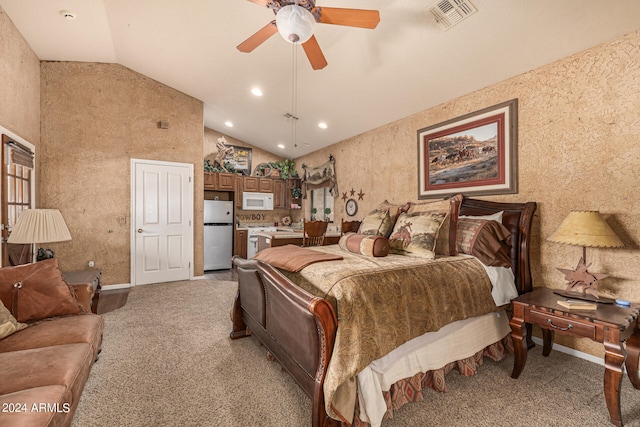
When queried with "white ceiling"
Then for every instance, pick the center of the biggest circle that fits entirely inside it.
(407, 64)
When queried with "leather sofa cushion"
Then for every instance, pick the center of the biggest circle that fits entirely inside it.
(31, 396)
(42, 293)
(65, 330)
(67, 365)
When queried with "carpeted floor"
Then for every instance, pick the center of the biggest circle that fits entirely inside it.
(167, 360)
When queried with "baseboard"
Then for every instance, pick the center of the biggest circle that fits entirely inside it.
(199, 278)
(115, 286)
(572, 352)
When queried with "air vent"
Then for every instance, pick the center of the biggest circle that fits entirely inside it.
(451, 12)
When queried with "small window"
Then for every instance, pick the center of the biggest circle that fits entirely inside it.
(321, 205)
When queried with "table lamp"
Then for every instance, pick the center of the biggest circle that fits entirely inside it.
(586, 229)
(39, 226)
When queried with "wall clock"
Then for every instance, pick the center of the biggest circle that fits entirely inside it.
(351, 207)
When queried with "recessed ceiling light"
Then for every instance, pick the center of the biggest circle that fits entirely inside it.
(280, 145)
(228, 124)
(256, 91)
(322, 125)
(67, 14)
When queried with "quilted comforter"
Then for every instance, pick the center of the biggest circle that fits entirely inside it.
(382, 303)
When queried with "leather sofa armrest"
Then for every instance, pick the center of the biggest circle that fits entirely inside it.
(84, 294)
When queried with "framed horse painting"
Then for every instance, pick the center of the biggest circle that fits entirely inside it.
(475, 154)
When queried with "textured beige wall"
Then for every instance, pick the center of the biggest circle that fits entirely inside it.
(19, 83)
(579, 134)
(95, 119)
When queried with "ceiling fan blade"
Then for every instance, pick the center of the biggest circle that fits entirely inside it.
(362, 18)
(258, 38)
(260, 2)
(314, 53)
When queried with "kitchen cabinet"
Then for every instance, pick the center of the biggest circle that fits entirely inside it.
(237, 193)
(219, 181)
(240, 243)
(266, 185)
(226, 181)
(251, 183)
(279, 194)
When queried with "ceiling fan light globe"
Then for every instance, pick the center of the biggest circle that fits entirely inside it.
(295, 24)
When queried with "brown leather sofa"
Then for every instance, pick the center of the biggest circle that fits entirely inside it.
(44, 367)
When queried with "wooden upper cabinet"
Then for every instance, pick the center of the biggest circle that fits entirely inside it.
(266, 185)
(226, 181)
(210, 180)
(251, 183)
(238, 191)
(219, 181)
(279, 194)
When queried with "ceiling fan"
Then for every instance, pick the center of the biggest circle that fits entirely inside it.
(295, 20)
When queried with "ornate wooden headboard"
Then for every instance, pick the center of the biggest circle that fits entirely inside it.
(517, 218)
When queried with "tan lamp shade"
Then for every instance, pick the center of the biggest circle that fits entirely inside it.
(39, 226)
(586, 228)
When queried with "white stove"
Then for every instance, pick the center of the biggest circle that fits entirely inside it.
(252, 238)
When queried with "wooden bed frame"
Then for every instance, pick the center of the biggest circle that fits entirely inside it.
(299, 329)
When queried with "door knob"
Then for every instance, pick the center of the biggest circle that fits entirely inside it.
(139, 230)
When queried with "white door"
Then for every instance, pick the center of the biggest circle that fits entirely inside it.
(162, 212)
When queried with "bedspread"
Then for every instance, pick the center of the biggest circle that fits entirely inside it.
(382, 303)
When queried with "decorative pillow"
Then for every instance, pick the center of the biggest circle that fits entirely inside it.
(8, 323)
(37, 291)
(446, 243)
(416, 235)
(493, 217)
(376, 246)
(489, 241)
(375, 223)
(380, 214)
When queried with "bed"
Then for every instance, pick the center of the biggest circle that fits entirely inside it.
(297, 319)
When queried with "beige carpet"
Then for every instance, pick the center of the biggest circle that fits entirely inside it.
(167, 361)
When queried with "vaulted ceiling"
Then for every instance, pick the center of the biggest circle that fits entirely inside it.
(407, 64)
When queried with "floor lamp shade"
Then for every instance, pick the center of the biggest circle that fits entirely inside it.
(39, 226)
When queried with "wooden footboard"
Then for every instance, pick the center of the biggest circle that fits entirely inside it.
(297, 328)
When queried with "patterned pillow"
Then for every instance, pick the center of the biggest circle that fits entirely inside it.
(416, 235)
(489, 241)
(375, 223)
(376, 246)
(387, 223)
(446, 243)
(8, 323)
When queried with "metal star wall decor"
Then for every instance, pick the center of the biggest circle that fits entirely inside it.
(353, 192)
(581, 280)
(344, 196)
(360, 195)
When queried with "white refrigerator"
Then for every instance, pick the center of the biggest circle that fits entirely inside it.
(218, 234)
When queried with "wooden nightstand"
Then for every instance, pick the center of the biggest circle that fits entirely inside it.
(609, 324)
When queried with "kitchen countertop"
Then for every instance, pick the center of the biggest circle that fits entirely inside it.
(291, 234)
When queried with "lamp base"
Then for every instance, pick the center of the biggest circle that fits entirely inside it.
(585, 297)
(580, 279)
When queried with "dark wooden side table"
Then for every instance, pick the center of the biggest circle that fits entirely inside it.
(91, 277)
(609, 324)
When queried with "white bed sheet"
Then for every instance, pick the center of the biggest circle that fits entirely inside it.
(433, 350)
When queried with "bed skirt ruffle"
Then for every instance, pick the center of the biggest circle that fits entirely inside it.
(411, 389)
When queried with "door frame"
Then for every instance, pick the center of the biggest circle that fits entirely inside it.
(11, 135)
(132, 225)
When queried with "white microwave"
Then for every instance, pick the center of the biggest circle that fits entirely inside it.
(257, 201)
